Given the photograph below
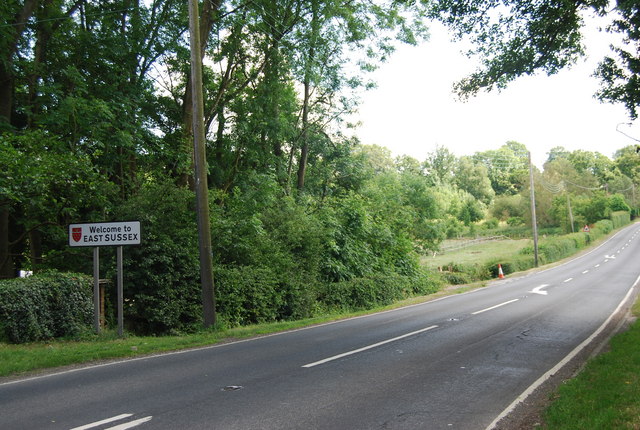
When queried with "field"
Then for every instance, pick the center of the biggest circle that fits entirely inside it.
(471, 252)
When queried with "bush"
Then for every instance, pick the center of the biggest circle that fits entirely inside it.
(516, 264)
(515, 221)
(457, 278)
(248, 295)
(491, 223)
(375, 290)
(425, 282)
(603, 227)
(364, 292)
(44, 306)
(620, 218)
(161, 276)
(555, 249)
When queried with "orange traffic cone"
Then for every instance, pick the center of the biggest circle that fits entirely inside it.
(500, 272)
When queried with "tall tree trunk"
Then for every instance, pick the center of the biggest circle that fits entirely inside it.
(6, 95)
(304, 151)
(35, 249)
(6, 262)
(6, 64)
(6, 107)
(308, 77)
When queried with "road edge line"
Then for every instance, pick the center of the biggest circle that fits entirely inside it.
(555, 369)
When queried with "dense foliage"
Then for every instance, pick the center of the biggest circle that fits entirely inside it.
(514, 38)
(45, 305)
(304, 218)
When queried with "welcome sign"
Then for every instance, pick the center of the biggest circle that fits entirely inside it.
(105, 234)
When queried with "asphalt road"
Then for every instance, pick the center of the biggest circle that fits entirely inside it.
(453, 363)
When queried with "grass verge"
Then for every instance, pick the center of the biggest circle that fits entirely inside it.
(18, 360)
(606, 394)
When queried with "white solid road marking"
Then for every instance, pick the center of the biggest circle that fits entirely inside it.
(132, 424)
(355, 351)
(526, 393)
(494, 307)
(123, 426)
(99, 423)
(539, 290)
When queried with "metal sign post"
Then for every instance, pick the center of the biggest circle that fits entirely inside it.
(96, 289)
(120, 292)
(106, 234)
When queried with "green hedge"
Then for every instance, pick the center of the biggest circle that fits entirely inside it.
(601, 228)
(45, 306)
(376, 290)
(556, 248)
(620, 218)
(247, 295)
(518, 263)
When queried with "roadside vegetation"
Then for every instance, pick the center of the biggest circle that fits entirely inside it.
(606, 393)
(80, 345)
(308, 223)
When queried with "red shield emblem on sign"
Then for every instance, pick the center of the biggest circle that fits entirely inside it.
(76, 233)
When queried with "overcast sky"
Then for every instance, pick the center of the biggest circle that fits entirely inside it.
(413, 109)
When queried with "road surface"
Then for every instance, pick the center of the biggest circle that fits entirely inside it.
(455, 363)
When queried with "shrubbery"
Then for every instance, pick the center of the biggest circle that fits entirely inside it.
(275, 258)
(249, 295)
(161, 276)
(552, 248)
(620, 218)
(375, 290)
(44, 306)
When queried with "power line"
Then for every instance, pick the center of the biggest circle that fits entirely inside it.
(583, 187)
(61, 18)
(552, 188)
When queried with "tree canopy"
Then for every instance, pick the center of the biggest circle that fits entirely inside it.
(514, 38)
(95, 125)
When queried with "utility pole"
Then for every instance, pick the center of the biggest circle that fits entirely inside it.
(534, 222)
(570, 212)
(200, 167)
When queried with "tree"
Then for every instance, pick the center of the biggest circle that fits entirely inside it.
(471, 212)
(439, 165)
(618, 203)
(44, 187)
(322, 64)
(14, 17)
(514, 38)
(595, 209)
(508, 167)
(595, 163)
(627, 161)
(89, 101)
(620, 75)
(509, 206)
(473, 178)
(557, 152)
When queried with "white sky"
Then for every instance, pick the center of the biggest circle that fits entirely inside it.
(413, 109)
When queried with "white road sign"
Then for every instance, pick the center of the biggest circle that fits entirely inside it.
(105, 234)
